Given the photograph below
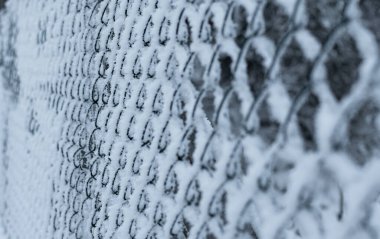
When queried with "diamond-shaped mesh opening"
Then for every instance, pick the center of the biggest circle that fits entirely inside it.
(343, 66)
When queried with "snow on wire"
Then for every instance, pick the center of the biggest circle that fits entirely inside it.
(190, 119)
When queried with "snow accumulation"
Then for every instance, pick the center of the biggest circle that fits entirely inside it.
(190, 119)
(2, 234)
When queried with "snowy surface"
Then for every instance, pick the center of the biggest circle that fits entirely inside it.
(2, 234)
(190, 119)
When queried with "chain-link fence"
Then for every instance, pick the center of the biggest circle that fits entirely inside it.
(190, 119)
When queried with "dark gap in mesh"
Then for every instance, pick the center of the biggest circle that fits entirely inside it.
(343, 66)
(255, 71)
(276, 21)
(306, 121)
(294, 69)
(268, 125)
(226, 74)
(364, 133)
(371, 16)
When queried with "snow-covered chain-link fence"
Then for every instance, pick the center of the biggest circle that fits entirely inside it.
(190, 119)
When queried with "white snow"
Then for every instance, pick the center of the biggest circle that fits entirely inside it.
(109, 136)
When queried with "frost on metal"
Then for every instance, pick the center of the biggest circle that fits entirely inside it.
(190, 119)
